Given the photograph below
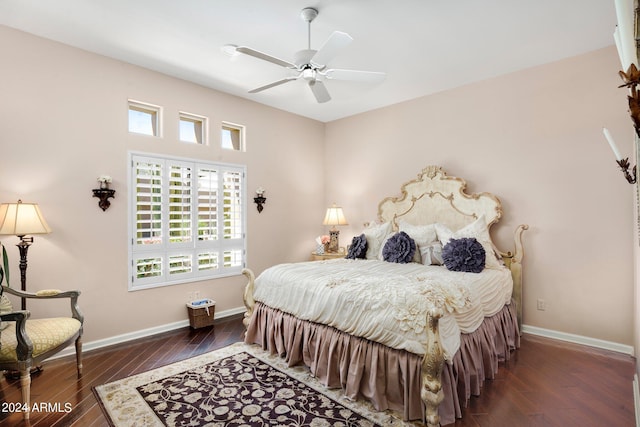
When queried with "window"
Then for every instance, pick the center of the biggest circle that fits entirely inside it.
(187, 220)
(144, 118)
(193, 128)
(233, 137)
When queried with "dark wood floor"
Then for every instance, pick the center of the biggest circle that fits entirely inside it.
(546, 383)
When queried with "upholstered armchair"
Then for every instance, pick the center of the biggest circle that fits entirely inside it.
(26, 342)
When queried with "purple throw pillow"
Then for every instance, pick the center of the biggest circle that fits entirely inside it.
(358, 248)
(399, 248)
(465, 254)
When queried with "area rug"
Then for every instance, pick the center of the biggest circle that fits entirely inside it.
(239, 385)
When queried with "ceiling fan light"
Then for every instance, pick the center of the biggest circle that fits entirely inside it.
(309, 74)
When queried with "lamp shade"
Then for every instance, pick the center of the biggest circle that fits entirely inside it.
(21, 219)
(334, 216)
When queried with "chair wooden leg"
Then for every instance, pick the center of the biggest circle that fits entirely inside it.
(79, 355)
(25, 385)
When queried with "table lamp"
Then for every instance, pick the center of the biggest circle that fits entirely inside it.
(20, 219)
(333, 217)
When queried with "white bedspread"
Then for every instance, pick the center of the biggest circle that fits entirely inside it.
(386, 302)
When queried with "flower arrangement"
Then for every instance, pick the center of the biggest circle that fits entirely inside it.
(322, 244)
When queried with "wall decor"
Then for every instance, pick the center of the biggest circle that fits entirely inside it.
(260, 200)
(104, 193)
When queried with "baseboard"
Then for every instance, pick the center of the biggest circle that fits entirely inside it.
(636, 401)
(130, 336)
(579, 339)
(533, 330)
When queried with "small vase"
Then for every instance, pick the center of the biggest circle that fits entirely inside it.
(104, 185)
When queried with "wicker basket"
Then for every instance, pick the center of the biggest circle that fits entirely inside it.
(202, 315)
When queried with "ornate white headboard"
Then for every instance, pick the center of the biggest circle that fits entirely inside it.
(435, 197)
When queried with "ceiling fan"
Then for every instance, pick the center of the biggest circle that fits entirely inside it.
(311, 65)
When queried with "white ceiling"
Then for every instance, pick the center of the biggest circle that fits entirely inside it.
(424, 46)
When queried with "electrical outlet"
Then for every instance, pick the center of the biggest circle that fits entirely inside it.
(542, 306)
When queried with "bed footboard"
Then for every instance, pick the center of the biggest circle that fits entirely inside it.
(431, 391)
(249, 302)
(514, 262)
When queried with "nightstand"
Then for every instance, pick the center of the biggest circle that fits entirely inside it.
(327, 255)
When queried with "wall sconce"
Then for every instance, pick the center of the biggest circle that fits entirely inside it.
(104, 193)
(260, 200)
(623, 163)
(626, 37)
(624, 167)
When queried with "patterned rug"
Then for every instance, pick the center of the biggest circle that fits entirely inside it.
(239, 385)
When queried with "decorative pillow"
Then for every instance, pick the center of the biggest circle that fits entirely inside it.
(428, 248)
(477, 230)
(464, 254)
(431, 254)
(399, 248)
(376, 235)
(358, 248)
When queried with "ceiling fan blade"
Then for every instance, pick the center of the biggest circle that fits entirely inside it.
(319, 91)
(270, 85)
(355, 75)
(330, 49)
(265, 57)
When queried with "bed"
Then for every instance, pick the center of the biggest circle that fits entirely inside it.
(412, 337)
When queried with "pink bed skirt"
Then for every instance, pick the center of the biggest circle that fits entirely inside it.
(387, 377)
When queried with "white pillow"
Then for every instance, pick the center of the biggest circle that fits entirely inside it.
(478, 230)
(376, 234)
(432, 254)
(424, 236)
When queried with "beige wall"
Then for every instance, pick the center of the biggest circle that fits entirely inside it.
(63, 122)
(533, 138)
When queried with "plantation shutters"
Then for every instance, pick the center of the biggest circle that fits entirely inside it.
(188, 220)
